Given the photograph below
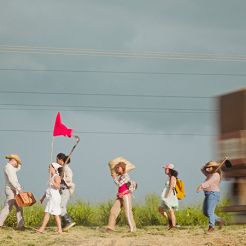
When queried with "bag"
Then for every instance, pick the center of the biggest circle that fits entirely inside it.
(180, 189)
(25, 199)
(132, 185)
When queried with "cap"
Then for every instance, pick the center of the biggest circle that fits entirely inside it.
(169, 166)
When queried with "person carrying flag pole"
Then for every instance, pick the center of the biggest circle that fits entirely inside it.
(66, 174)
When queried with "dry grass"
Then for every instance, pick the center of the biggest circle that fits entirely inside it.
(155, 235)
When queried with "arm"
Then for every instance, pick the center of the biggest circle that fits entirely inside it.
(171, 185)
(12, 177)
(122, 180)
(215, 177)
(68, 176)
(42, 198)
(57, 182)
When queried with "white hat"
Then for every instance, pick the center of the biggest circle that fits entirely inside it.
(55, 165)
(169, 166)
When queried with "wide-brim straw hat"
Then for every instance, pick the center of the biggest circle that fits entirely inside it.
(114, 162)
(15, 157)
(212, 164)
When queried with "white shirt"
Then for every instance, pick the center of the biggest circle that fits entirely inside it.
(68, 178)
(11, 179)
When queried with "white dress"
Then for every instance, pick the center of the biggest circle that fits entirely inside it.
(171, 201)
(53, 205)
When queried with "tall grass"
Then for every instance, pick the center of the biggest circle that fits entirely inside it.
(145, 214)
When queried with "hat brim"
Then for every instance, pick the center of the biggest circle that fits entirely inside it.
(114, 162)
(13, 157)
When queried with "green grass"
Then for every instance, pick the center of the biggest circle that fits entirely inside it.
(145, 214)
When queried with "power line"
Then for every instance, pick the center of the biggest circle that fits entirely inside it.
(121, 53)
(102, 94)
(114, 133)
(121, 72)
(110, 108)
(109, 111)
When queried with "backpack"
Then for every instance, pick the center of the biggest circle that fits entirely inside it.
(180, 189)
(132, 185)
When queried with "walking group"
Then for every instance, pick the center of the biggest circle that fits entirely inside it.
(61, 187)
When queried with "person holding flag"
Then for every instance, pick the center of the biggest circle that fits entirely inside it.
(67, 185)
(66, 189)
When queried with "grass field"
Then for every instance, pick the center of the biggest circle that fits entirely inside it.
(152, 235)
(152, 228)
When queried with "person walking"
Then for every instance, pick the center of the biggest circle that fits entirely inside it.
(66, 189)
(211, 188)
(169, 200)
(124, 198)
(53, 206)
(12, 188)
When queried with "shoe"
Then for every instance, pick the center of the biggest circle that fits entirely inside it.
(172, 228)
(210, 229)
(221, 224)
(68, 226)
(22, 228)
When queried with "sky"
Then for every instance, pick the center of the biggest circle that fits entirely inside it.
(138, 79)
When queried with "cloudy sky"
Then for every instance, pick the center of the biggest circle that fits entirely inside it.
(133, 78)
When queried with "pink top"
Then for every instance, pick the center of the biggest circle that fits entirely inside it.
(123, 188)
(212, 182)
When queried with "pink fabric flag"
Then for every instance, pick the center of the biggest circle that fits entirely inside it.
(60, 129)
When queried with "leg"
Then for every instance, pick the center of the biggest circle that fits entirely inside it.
(45, 222)
(8, 205)
(209, 205)
(58, 223)
(164, 214)
(128, 212)
(114, 213)
(172, 218)
(19, 216)
(67, 221)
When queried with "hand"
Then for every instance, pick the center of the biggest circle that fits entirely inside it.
(41, 200)
(198, 189)
(113, 175)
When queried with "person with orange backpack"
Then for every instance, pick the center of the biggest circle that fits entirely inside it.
(169, 200)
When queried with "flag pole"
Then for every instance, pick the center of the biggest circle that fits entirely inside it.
(52, 149)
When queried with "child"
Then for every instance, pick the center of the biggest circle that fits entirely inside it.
(53, 205)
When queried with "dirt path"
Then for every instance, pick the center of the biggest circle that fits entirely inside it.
(229, 235)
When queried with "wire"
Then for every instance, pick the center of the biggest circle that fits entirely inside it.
(102, 94)
(113, 133)
(120, 72)
(109, 108)
(121, 54)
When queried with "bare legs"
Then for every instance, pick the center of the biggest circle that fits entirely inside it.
(46, 220)
(170, 215)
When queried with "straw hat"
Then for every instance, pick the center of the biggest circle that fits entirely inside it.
(114, 162)
(212, 164)
(15, 157)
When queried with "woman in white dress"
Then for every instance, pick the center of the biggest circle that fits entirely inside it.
(169, 200)
(53, 206)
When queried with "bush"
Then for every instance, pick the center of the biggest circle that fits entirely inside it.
(146, 214)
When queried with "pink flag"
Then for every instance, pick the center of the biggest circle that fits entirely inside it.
(60, 129)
